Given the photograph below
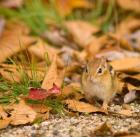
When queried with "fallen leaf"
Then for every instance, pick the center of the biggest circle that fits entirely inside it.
(131, 135)
(54, 90)
(40, 49)
(130, 96)
(126, 106)
(81, 106)
(137, 76)
(40, 94)
(116, 54)
(21, 113)
(126, 64)
(14, 73)
(11, 75)
(72, 90)
(42, 111)
(133, 5)
(65, 7)
(125, 112)
(53, 76)
(11, 4)
(37, 94)
(13, 40)
(58, 37)
(133, 41)
(4, 123)
(104, 129)
(94, 46)
(127, 26)
(4, 120)
(78, 28)
(40, 108)
(2, 25)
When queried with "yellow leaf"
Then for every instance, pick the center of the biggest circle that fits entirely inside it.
(133, 5)
(21, 113)
(71, 90)
(53, 76)
(4, 120)
(11, 75)
(125, 112)
(4, 123)
(81, 106)
(40, 49)
(81, 31)
(42, 111)
(127, 64)
(14, 39)
(127, 26)
(65, 7)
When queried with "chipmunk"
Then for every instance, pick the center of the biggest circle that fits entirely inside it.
(100, 80)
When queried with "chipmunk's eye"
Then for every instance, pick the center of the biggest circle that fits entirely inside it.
(111, 70)
(99, 70)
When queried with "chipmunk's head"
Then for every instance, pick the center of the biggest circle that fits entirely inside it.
(97, 69)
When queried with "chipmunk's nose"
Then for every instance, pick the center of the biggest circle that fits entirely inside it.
(92, 78)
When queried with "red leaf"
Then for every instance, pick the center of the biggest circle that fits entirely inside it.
(40, 94)
(54, 90)
(37, 94)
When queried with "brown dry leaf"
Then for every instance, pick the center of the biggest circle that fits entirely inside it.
(95, 45)
(11, 3)
(132, 87)
(134, 135)
(40, 49)
(104, 129)
(4, 123)
(125, 112)
(116, 53)
(132, 41)
(133, 5)
(4, 120)
(2, 25)
(13, 40)
(137, 76)
(2, 113)
(72, 90)
(127, 64)
(65, 7)
(53, 76)
(11, 75)
(42, 111)
(132, 94)
(80, 56)
(81, 31)
(21, 113)
(126, 26)
(81, 106)
(37, 73)
(40, 108)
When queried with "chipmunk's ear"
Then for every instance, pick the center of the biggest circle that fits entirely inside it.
(85, 68)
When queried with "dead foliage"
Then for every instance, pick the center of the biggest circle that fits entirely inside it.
(49, 66)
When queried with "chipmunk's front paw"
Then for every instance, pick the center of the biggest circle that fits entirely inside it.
(105, 107)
